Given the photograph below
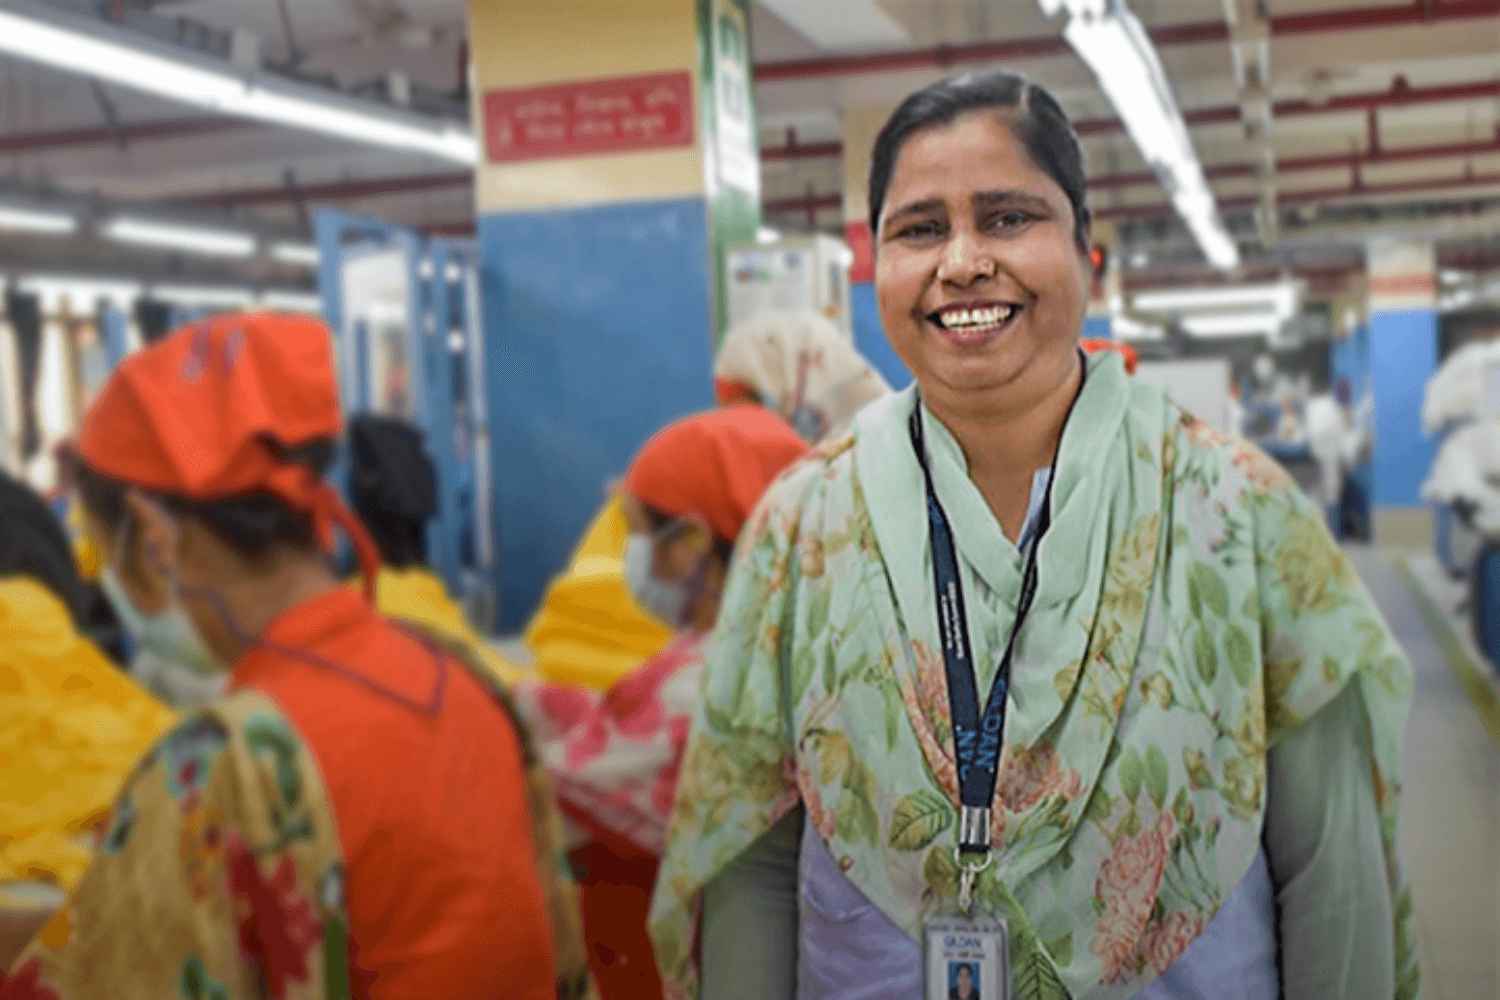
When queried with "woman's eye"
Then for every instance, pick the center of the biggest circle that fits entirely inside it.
(1009, 220)
(919, 231)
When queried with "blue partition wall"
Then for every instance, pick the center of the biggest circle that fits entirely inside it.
(592, 346)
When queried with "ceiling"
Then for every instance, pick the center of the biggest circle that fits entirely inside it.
(1383, 114)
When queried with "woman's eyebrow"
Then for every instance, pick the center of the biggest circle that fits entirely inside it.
(1014, 197)
(923, 207)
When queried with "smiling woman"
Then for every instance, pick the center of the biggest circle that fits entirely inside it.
(1197, 707)
(978, 203)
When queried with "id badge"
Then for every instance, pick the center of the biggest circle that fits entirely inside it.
(967, 958)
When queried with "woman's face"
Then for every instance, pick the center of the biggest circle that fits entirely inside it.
(676, 554)
(980, 282)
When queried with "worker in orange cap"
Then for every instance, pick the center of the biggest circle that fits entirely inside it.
(615, 756)
(354, 818)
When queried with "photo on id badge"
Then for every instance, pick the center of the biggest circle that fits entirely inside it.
(967, 960)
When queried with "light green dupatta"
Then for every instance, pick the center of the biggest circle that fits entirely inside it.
(1192, 610)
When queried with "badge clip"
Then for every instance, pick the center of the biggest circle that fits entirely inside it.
(968, 874)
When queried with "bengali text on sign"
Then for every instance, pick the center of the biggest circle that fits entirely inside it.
(620, 115)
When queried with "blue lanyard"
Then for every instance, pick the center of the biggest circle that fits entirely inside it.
(977, 739)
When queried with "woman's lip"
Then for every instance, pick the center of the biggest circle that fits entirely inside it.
(973, 336)
(958, 317)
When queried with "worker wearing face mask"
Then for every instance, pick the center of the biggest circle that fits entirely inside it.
(614, 756)
(356, 817)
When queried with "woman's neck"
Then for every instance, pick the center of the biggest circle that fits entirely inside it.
(1014, 436)
(1005, 442)
(256, 599)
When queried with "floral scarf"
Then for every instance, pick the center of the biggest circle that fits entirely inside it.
(225, 844)
(614, 757)
(1191, 611)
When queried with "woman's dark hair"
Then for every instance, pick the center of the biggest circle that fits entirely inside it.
(252, 524)
(1032, 113)
(392, 487)
(659, 519)
(33, 544)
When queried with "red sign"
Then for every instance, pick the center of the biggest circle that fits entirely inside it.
(629, 113)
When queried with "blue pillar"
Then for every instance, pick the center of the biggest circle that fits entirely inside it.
(870, 338)
(1097, 327)
(1403, 342)
(600, 233)
(1403, 356)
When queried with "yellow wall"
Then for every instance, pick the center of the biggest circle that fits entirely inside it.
(526, 43)
(860, 126)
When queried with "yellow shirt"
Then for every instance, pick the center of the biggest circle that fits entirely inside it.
(72, 726)
(418, 596)
(589, 630)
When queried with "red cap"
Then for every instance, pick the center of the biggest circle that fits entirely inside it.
(714, 465)
(199, 414)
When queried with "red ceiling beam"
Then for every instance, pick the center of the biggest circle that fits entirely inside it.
(812, 203)
(350, 190)
(1318, 194)
(828, 202)
(803, 151)
(1400, 94)
(1392, 16)
(163, 128)
(346, 190)
(1197, 33)
(1297, 164)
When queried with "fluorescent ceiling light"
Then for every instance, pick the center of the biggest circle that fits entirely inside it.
(299, 254)
(190, 239)
(1119, 52)
(1461, 299)
(292, 301)
(1128, 329)
(34, 220)
(92, 48)
(1281, 298)
(446, 141)
(1233, 325)
(80, 292)
(198, 295)
(848, 24)
(767, 235)
(84, 53)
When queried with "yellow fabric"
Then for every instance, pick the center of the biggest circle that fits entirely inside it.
(85, 552)
(419, 597)
(589, 631)
(71, 728)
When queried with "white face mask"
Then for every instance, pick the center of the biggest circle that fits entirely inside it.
(169, 635)
(666, 600)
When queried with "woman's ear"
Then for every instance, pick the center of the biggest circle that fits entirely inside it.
(150, 551)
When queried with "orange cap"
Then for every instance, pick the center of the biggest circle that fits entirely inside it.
(714, 465)
(194, 416)
(1124, 350)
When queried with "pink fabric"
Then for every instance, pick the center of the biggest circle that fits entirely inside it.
(614, 757)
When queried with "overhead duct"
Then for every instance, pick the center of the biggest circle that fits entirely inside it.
(1249, 25)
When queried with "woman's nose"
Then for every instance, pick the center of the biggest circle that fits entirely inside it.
(966, 260)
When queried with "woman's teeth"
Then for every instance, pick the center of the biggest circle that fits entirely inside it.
(969, 320)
